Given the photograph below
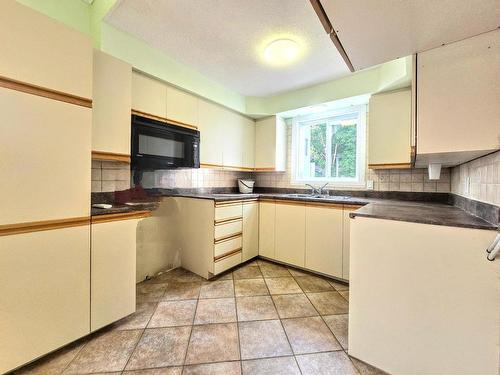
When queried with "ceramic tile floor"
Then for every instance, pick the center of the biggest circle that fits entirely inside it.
(262, 318)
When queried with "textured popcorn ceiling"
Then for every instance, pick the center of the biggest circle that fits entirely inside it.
(224, 39)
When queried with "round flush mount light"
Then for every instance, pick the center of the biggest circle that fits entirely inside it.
(281, 52)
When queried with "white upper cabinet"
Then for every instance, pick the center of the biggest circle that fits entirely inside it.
(389, 134)
(232, 130)
(40, 51)
(248, 135)
(112, 91)
(211, 135)
(270, 144)
(149, 95)
(458, 96)
(182, 107)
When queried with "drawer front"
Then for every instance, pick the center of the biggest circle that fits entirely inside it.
(226, 263)
(227, 246)
(228, 212)
(228, 229)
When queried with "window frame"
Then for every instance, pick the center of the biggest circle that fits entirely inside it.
(316, 118)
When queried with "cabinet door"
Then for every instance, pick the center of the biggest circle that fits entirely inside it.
(265, 143)
(45, 156)
(267, 216)
(248, 143)
(291, 233)
(149, 95)
(112, 101)
(212, 137)
(324, 240)
(182, 106)
(113, 250)
(233, 139)
(346, 238)
(458, 95)
(45, 289)
(41, 51)
(250, 230)
(390, 124)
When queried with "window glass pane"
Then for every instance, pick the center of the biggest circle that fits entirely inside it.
(343, 146)
(318, 151)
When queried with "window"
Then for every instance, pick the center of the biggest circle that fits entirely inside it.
(330, 147)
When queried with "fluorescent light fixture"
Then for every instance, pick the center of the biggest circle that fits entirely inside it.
(281, 52)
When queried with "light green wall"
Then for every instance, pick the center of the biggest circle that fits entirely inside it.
(74, 13)
(89, 19)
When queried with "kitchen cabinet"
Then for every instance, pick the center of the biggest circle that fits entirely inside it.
(267, 222)
(182, 107)
(423, 281)
(112, 101)
(42, 149)
(211, 235)
(248, 147)
(113, 255)
(45, 289)
(270, 144)
(233, 144)
(389, 135)
(346, 239)
(212, 137)
(43, 53)
(457, 100)
(250, 230)
(324, 232)
(290, 233)
(149, 96)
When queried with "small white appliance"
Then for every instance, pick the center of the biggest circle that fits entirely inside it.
(246, 186)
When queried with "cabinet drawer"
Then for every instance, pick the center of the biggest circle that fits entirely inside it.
(226, 212)
(227, 246)
(227, 262)
(228, 229)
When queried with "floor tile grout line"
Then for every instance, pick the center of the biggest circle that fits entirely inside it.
(237, 327)
(190, 333)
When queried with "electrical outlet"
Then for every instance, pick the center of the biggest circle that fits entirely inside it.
(369, 184)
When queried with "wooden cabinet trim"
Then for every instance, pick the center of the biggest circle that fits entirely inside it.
(352, 206)
(120, 216)
(390, 166)
(226, 167)
(229, 237)
(37, 226)
(227, 255)
(228, 221)
(163, 119)
(45, 92)
(104, 155)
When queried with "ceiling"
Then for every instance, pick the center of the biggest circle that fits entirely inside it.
(373, 32)
(224, 40)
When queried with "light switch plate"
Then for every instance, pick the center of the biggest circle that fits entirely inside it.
(369, 184)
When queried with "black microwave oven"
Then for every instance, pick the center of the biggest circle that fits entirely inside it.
(160, 145)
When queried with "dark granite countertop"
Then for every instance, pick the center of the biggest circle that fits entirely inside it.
(390, 209)
(425, 213)
(122, 208)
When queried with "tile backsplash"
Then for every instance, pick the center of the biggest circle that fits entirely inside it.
(478, 179)
(114, 176)
(110, 176)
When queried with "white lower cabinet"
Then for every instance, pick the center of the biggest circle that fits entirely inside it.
(113, 263)
(45, 277)
(267, 220)
(324, 232)
(291, 233)
(250, 230)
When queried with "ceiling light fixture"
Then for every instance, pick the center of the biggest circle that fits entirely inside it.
(282, 52)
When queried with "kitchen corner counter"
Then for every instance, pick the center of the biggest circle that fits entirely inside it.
(424, 213)
(124, 208)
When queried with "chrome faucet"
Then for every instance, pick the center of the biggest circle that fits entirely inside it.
(318, 191)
